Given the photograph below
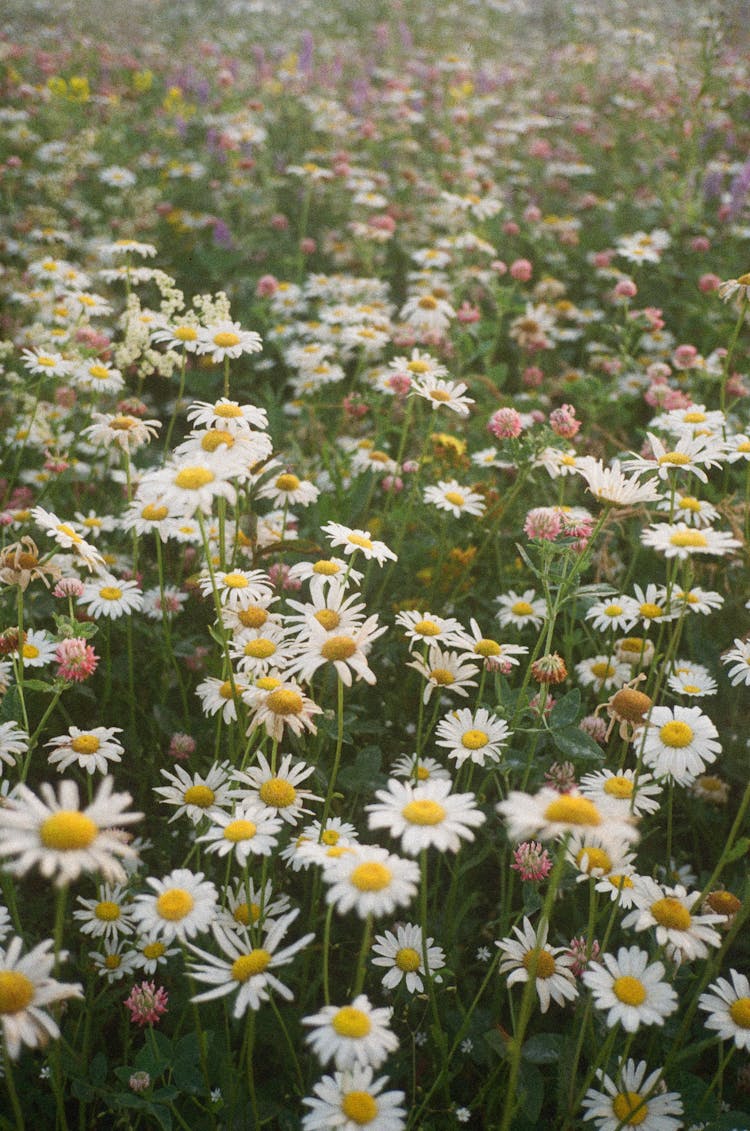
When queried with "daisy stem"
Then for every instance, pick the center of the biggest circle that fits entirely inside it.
(724, 1058)
(438, 1032)
(19, 666)
(730, 351)
(167, 629)
(217, 607)
(61, 899)
(326, 954)
(250, 1070)
(226, 376)
(12, 1093)
(670, 807)
(602, 1058)
(177, 403)
(337, 755)
(289, 1045)
(359, 979)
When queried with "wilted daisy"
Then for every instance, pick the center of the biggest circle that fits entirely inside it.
(728, 1007)
(477, 736)
(26, 988)
(449, 495)
(679, 743)
(737, 659)
(353, 1099)
(108, 916)
(354, 541)
(402, 953)
(444, 670)
(670, 910)
(246, 969)
(178, 907)
(61, 839)
(370, 880)
(521, 609)
(636, 1100)
(279, 790)
(196, 795)
(529, 956)
(90, 749)
(111, 597)
(356, 1034)
(632, 991)
(252, 830)
(425, 815)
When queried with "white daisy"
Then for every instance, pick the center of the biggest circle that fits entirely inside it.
(636, 1100)
(107, 916)
(685, 936)
(13, 742)
(444, 670)
(358, 541)
(633, 992)
(679, 743)
(402, 953)
(351, 1100)
(178, 907)
(278, 790)
(425, 815)
(449, 495)
(521, 609)
(728, 1006)
(349, 1035)
(737, 660)
(111, 597)
(477, 736)
(25, 989)
(252, 830)
(370, 880)
(528, 956)
(196, 795)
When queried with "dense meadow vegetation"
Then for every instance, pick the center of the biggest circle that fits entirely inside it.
(375, 637)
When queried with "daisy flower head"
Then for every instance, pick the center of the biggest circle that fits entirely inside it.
(26, 989)
(444, 670)
(697, 600)
(549, 815)
(426, 626)
(611, 486)
(245, 969)
(476, 736)
(494, 654)
(690, 455)
(277, 705)
(349, 1035)
(622, 792)
(442, 393)
(324, 575)
(634, 1100)
(252, 830)
(257, 652)
(186, 486)
(226, 339)
(54, 834)
(425, 815)
(419, 769)
(115, 961)
(616, 612)
(196, 795)
(151, 953)
(238, 588)
(46, 363)
(288, 490)
(737, 660)
(727, 1004)
(179, 906)
(346, 652)
(521, 609)
(689, 510)
(352, 1099)
(13, 743)
(528, 956)
(632, 991)
(249, 906)
(450, 496)
(95, 376)
(595, 854)
(38, 648)
(687, 678)
(358, 541)
(90, 749)
(602, 673)
(653, 604)
(678, 540)
(401, 952)
(670, 910)
(68, 538)
(230, 416)
(107, 916)
(679, 743)
(111, 597)
(279, 790)
(369, 880)
(218, 696)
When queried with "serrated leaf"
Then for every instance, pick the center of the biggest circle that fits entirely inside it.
(741, 848)
(565, 710)
(543, 1048)
(577, 745)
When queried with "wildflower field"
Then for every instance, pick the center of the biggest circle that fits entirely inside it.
(375, 617)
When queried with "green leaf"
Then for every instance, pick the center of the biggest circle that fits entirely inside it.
(38, 685)
(577, 745)
(565, 711)
(363, 775)
(530, 1091)
(98, 1069)
(741, 848)
(543, 1048)
(496, 1041)
(68, 627)
(10, 707)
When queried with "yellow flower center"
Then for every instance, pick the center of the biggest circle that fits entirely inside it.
(29, 651)
(650, 611)
(671, 913)
(284, 702)
(278, 793)
(153, 513)
(200, 795)
(260, 649)
(423, 773)
(248, 965)
(225, 339)
(240, 830)
(630, 991)
(246, 913)
(360, 1107)
(688, 538)
(328, 619)
(569, 810)
(744, 280)
(620, 882)
(214, 438)
(688, 503)
(694, 417)
(69, 532)
(676, 734)
(327, 568)
(407, 959)
(186, 333)
(418, 366)
(351, 1022)
(68, 831)
(596, 859)
(724, 903)
(677, 459)
(371, 876)
(423, 811)
(440, 395)
(174, 904)
(455, 497)
(522, 609)
(739, 1011)
(16, 991)
(427, 302)
(330, 837)
(619, 786)
(359, 540)
(629, 1109)
(100, 372)
(255, 616)
(486, 647)
(225, 691)
(112, 962)
(427, 628)
(193, 478)
(338, 648)
(287, 482)
(613, 611)
(474, 739)
(267, 682)
(110, 593)
(602, 670)
(442, 676)
(228, 411)
(85, 744)
(153, 950)
(542, 962)
(107, 911)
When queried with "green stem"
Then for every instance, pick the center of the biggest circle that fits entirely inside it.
(364, 950)
(12, 1093)
(337, 755)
